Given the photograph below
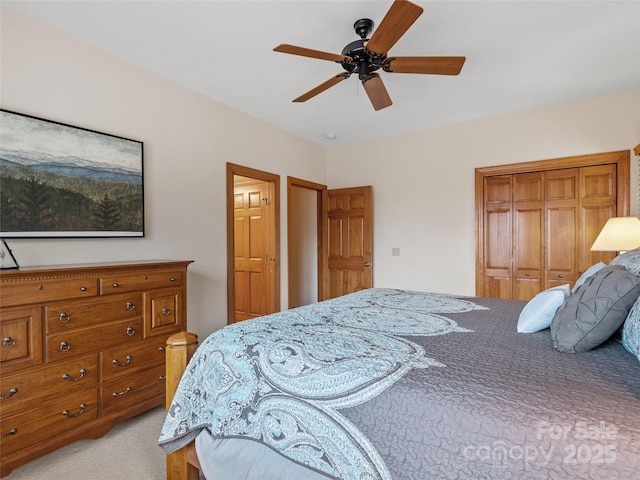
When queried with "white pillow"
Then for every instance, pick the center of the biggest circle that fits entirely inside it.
(589, 272)
(538, 313)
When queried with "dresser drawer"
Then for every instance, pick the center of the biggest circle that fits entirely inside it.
(68, 315)
(79, 342)
(46, 422)
(36, 291)
(163, 312)
(126, 392)
(132, 282)
(125, 360)
(21, 337)
(23, 391)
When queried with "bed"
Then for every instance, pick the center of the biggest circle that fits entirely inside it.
(394, 384)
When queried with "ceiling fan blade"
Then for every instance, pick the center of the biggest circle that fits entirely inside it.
(395, 23)
(307, 52)
(377, 92)
(322, 87)
(428, 65)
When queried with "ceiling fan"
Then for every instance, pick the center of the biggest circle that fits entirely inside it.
(365, 56)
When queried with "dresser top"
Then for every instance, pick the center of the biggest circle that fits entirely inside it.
(90, 268)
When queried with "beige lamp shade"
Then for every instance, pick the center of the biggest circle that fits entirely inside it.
(619, 234)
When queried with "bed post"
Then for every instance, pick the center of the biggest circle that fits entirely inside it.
(180, 348)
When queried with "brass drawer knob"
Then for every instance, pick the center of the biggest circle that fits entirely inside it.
(131, 331)
(64, 318)
(166, 312)
(130, 306)
(8, 342)
(64, 347)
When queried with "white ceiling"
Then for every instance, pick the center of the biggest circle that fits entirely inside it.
(520, 55)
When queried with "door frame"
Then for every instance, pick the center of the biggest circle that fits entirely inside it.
(319, 188)
(232, 170)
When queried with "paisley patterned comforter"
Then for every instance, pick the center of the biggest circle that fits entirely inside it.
(390, 384)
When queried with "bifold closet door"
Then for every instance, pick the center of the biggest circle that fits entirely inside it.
(539, 227)
(528, 235)
(562, 226)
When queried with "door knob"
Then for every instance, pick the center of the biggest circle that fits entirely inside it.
(367, 264)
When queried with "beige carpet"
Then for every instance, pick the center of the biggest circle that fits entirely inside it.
(128, 451)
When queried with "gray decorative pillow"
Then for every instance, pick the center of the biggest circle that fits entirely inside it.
(595, 311)
(629, 260)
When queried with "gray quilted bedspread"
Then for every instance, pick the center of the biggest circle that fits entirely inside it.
(389, 384)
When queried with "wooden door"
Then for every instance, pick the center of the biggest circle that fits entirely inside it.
(598, 192)
(251, 249)
(528, 235)
(252, 243)
(514, 225)
(498, 212)
(551, 210)
(562, 226)
(579, 203)
(347, 248)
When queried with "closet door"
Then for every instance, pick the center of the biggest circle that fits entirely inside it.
(528, 235)
(562, 226)
(514, 219)
(537, 221)
(498, 208)
(598, 203)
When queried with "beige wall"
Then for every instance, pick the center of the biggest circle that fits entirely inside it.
(423, 183)
(187, 137)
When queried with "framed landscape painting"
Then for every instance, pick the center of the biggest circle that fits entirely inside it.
(57, 180)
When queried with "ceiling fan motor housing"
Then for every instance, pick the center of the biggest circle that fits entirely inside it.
(363, 62)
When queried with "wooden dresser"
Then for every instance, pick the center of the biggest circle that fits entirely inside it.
(82, 349)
